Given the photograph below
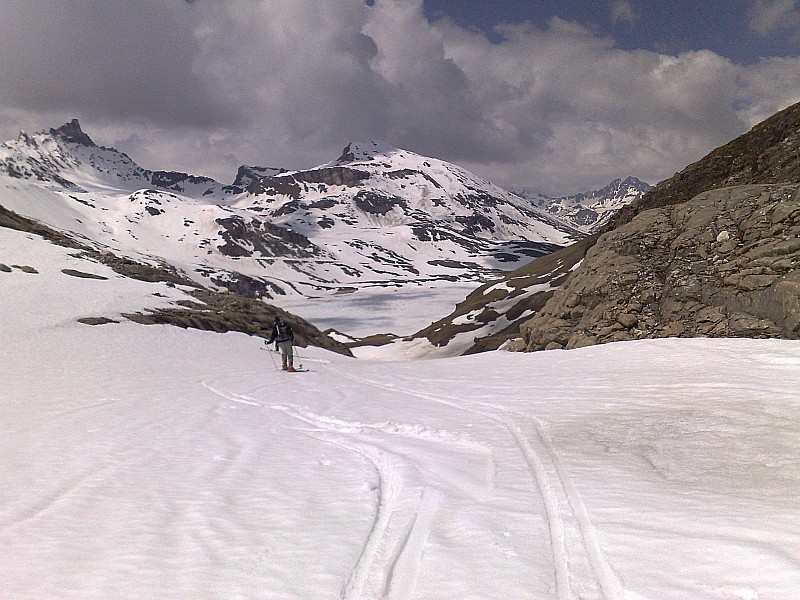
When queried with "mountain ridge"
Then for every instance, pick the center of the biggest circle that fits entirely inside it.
(68, 157)
(589, 211)
(722, 234)
(377, 219)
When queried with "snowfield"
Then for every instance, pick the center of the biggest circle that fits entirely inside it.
(154, 462)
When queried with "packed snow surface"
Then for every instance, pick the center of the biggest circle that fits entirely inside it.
(155, 462)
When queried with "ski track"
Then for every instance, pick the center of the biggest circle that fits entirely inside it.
(396, 574)
(49, 501)
(562, 502)
(390, 488)
(229, 396)
(556, 498)
(402, 576)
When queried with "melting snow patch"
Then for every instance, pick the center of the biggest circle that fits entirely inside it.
(498, 286)
(467, 319)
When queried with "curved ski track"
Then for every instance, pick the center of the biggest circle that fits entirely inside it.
(377, 570)
(388, 563)
(581, 570)
(573, 538)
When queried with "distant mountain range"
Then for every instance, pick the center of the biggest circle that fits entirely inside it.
(589, 211)
(383, 241)
(376, 219)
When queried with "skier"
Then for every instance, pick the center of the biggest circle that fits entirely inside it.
(283, 336)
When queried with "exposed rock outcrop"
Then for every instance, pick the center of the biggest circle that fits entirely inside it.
(725, 264)
(72, 132)
(293, 184)
(245, 237)
(246, 175)
(767, 154)
(475, 324)
(223, 312)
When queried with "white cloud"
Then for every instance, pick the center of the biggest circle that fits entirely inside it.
(767, 87)
(206, 86)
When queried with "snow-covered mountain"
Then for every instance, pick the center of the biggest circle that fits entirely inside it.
(375, 185)
(68, 157)
(376, 220)
(589, 211)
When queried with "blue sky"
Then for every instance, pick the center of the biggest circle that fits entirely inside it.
(561, 96)
(727, 28)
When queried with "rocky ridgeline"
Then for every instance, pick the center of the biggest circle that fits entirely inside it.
(725, 264)
(684, 269)
(633, 284)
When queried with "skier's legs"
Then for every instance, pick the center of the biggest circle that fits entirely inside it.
(287, 358)
(290, 354)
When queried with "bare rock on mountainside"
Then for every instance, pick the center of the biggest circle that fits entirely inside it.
(725, 264)
(767, 154)
(72, 132)
(493, 313)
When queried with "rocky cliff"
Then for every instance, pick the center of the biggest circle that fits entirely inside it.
(725, 264)
(711, 251)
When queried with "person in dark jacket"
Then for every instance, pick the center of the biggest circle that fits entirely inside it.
(283, 336)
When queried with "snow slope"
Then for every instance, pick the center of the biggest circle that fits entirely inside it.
(155, 462)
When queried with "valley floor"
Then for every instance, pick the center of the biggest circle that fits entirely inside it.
(155, 462)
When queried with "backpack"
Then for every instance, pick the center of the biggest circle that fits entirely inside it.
(284, 331)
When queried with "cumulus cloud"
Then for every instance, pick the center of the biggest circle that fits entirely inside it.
(208, 85)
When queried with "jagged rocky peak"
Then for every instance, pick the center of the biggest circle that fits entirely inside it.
(629, 183)
(72, 132)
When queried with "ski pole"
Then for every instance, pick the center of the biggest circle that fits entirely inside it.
(272, 358)
(297, 353)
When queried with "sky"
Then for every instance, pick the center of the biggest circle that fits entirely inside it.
(558, 96)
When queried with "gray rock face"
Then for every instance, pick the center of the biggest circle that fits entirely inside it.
(245, 237)
(72, 132)
(725, 264)
(293, 184)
